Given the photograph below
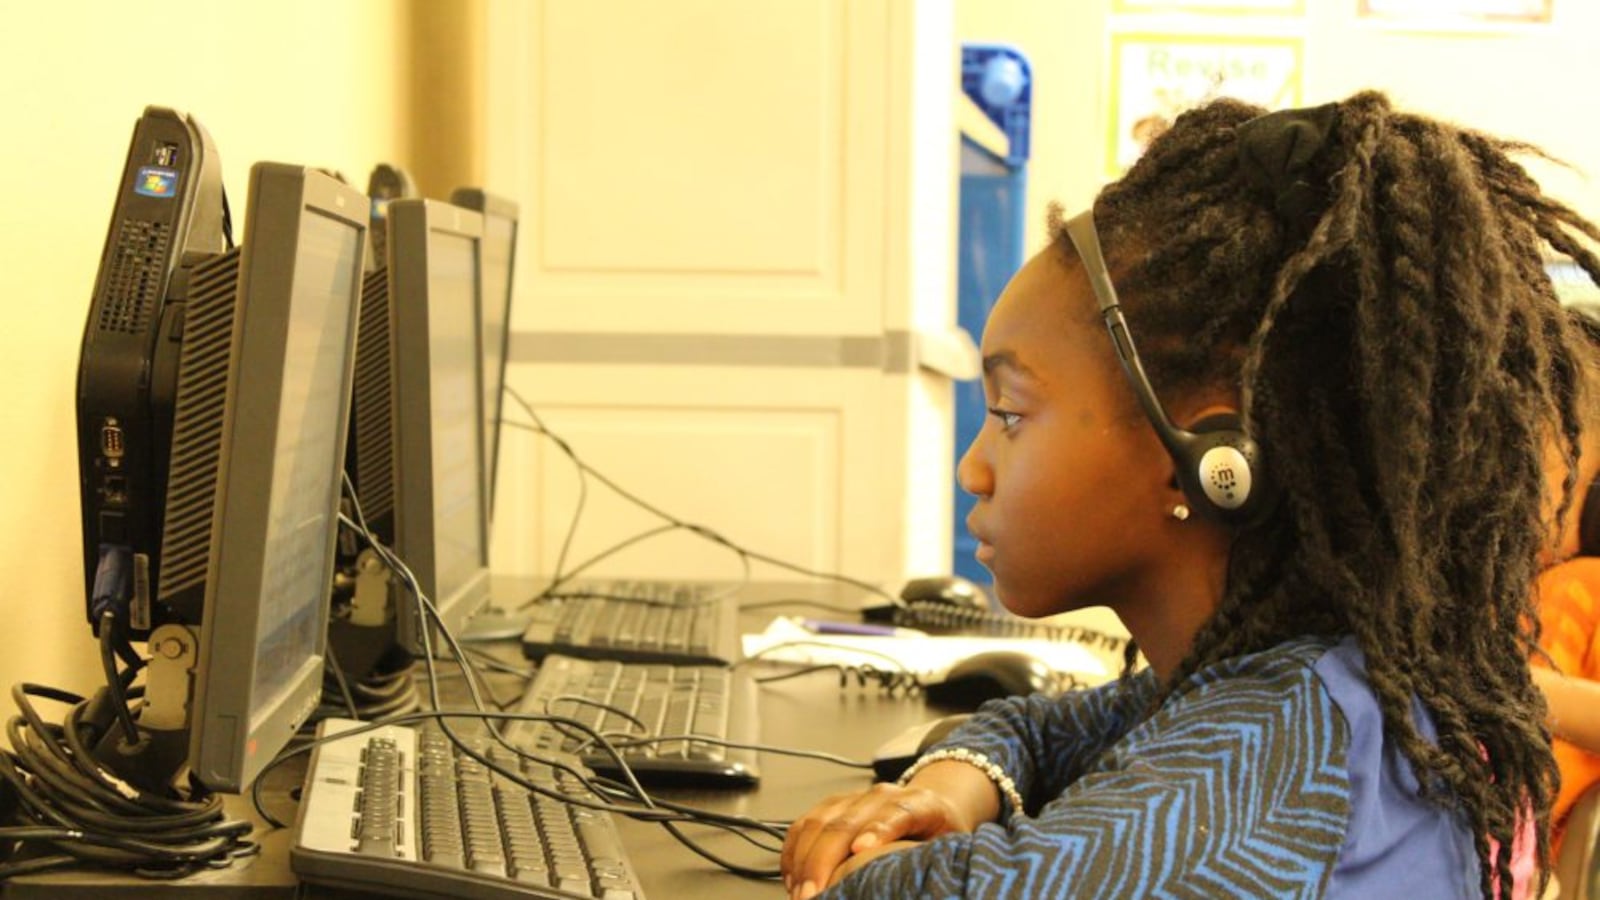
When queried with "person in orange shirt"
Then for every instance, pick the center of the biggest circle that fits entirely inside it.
(1568, 672)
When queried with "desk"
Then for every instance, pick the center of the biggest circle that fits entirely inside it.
(808, 712)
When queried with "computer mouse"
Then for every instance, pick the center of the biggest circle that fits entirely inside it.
(990, 674)
(951, 589)
(897, 754)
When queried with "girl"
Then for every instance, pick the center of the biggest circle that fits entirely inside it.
(1338, 623)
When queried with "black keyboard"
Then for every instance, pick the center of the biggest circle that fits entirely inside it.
(402, 812)
(653, 622)
(705, 701)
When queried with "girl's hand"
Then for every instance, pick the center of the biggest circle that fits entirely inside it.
(820, 841)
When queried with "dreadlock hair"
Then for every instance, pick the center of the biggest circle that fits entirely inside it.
(1402, 359)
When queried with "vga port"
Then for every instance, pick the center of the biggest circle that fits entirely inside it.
(111, 439)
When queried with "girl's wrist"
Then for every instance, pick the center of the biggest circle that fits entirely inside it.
(950, 772)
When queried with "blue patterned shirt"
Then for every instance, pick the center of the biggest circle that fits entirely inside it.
(1264, 776)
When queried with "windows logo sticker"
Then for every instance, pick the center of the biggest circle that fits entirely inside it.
(156, 181)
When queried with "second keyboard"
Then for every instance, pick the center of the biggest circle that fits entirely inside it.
(663, 701)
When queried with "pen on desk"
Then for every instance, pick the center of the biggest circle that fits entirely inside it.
(823, 626)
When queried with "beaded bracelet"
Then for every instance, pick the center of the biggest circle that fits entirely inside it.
(1008, 788)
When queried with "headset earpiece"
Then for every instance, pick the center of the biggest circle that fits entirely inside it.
(1219, 468)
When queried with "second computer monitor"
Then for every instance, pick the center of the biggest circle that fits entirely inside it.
(441, 484)
(499, 259)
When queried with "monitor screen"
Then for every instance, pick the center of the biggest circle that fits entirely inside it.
(453, 404)
(296, 556)
(440, 483)
(277, 338)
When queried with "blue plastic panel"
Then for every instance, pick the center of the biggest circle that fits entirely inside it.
(998, 78)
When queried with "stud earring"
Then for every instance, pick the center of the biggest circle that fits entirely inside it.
(1180, 512)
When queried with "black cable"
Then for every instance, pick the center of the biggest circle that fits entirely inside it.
(227, 220)
(822, 756)
(703, 531)
(798, 601)
(66, 801)
(631, 784)
(644, 737)
(596, 594)
(630, 789)
(559, 579)
(577, 512)
(490, 662)
(890, 682)
(759, 655)
(735, 868)
(332, 666)
(425, 609)
(108, 664)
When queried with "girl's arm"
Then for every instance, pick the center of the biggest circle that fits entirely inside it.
(1574, 703)
(1038, 743)
(1242, 793)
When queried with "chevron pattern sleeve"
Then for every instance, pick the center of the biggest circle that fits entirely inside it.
(1044, 742)
(1236, 786)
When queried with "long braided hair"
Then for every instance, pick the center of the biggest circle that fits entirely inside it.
(1402, 358)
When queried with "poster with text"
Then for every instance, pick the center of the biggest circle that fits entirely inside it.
(1154, 77)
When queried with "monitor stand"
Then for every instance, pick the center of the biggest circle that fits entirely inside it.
(497, 623)
(153, 758)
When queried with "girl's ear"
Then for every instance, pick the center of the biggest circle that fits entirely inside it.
(1214, 417)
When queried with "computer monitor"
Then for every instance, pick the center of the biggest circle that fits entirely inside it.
(440, 485)
(369, 455)
(499, 259)
(251, 503)
(263, 639)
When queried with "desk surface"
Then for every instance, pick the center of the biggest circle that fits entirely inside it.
(808, 712)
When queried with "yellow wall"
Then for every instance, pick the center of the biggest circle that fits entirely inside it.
(78, 76)
(1530, 83)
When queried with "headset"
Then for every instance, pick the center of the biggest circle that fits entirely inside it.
(1220, 468)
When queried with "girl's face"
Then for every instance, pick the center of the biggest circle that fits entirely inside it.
(1073, 487)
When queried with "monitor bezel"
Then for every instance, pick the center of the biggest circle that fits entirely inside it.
(411, 222)
(495, 206)
(229, 746)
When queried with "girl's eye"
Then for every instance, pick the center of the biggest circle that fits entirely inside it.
(1008, 420)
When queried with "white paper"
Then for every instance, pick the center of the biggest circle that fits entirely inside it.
(929, 657)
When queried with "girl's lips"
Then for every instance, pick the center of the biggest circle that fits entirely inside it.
(985, 553)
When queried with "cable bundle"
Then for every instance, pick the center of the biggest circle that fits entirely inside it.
(78, 812)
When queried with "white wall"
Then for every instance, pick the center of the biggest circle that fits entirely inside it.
(78, 75)
(1531, 83)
